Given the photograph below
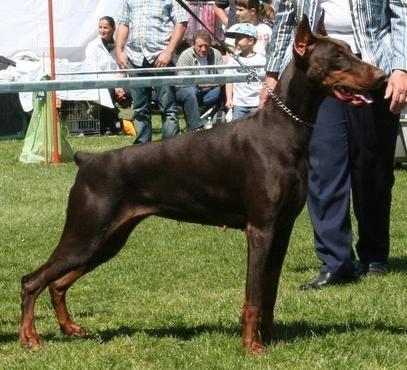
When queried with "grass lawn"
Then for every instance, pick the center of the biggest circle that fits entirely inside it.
(172, 297)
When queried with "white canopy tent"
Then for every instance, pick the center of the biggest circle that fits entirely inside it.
(24, 26)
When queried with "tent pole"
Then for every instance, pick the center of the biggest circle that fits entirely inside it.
(55, 137)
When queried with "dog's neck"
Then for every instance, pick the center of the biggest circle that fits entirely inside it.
(299, 94)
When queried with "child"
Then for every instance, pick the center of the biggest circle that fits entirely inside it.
(259, 15)
(244, 97)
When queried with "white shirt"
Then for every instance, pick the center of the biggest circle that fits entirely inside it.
(97, 54)
(338, 21)
(246, 94)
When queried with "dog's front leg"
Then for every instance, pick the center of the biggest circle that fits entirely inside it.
(259, 242)
(274, 263)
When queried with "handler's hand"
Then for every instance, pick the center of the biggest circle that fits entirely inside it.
(271, 82)
(121, 58)
(397, 90)
(163, 59)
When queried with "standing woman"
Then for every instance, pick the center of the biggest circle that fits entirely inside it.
(100, 51)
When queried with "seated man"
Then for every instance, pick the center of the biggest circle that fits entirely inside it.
(191, 97)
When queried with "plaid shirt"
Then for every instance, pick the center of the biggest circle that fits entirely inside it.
(151, 24)
(380, 29)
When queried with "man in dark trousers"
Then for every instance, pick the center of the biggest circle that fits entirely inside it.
(351, 149)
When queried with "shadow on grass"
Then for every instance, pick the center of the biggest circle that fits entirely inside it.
(8, 337)
(303, 330)
(397, 264)
(178, 332)
(281, 332)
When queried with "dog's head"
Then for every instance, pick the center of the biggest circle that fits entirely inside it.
(331, 63)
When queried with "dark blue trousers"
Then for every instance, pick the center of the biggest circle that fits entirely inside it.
(351, 152)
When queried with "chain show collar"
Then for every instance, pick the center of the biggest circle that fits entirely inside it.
(254, 76)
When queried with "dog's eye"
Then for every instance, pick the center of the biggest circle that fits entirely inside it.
(338, 58)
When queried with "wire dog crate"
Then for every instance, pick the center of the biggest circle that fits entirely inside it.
(81, 117)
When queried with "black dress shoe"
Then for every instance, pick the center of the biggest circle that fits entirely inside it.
(373, 269)
(329, 278)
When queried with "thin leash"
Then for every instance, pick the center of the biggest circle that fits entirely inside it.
(252, 73)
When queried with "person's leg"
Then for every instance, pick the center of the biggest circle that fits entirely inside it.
(166, 101)
(239, 112)
(141, 97)
(142, 119)
(104, 119)
(111, 115)
(187, 97)
(211, 96)
(329, 192)
(374, 135)
(168, 107)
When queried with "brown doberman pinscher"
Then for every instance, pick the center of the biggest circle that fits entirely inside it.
(249, 175)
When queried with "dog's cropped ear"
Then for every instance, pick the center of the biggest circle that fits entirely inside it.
(321, 25)
(304, 39)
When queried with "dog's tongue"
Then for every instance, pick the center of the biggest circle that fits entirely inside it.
(365, 98)
(355, 98)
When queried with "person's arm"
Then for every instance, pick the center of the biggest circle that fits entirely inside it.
(178, 34)
(285, 21)
(271, 82)
(221, 14)
(396, 89)
(91, 53)
(122, 34)
(229, 95)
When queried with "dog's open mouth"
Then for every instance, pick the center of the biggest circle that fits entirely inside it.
(349, 95)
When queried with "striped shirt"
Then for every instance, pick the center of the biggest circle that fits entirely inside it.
(379, 27)
(151, 24)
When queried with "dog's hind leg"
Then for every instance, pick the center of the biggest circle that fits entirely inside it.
(30, 291)
(259, 242)
(31, 287)
(59, 288)
(74, 256)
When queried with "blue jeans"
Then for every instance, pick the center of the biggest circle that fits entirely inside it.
(191, 98)
(239, 112)
(142, 106)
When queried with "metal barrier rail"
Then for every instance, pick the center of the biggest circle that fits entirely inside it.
(138, 71)
(127, 82)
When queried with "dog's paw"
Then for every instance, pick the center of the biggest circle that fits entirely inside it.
(73, 330)
(255, 347)
(32, 341)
